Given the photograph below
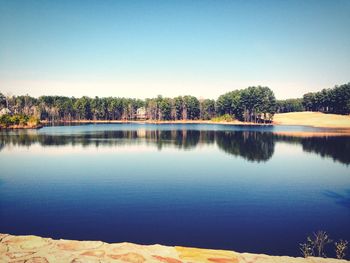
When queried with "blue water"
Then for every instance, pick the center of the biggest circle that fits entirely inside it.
(230, 187)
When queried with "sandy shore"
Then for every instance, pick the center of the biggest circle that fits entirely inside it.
(34, 249)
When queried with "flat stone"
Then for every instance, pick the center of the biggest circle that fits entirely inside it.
(223, 260)
(129, 257)
(167, 259)
(3, 248)
(94, 253)
(26, 242)
(2, 236)
(78, 245)
(85, 260)
(37, 260)
(206, 255)
(15, 255)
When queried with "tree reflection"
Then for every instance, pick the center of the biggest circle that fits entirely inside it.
(251, 145)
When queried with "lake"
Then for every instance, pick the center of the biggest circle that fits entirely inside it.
(243, 188)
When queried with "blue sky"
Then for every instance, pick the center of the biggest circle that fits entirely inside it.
(145, 48)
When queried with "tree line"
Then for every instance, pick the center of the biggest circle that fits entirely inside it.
(335, 100)
(253, 104)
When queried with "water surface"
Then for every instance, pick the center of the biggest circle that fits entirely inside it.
(229, 187)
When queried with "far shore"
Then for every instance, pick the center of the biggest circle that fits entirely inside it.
(313, 119)
(332, 124)
(159, 122)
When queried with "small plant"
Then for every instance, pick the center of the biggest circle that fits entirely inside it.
(340, 248)
(315, 246)
(33, 121)
(321, 239)
(307, 249)
(223, 118)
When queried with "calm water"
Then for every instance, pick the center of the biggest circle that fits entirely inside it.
(239, 188)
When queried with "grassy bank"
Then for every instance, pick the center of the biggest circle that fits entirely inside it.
(315, 119)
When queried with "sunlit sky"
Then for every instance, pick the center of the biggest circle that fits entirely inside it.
(145, 48)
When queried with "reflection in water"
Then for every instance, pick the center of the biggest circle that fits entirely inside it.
(336, 147)
(110, 183)
(251, 145)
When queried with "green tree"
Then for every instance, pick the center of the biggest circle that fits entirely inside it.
(165, 106)
(2, 101)
(82, 108)
(191, 105)
(207, 109)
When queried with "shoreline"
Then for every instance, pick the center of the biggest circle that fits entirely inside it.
(238, 123)
(155, 122)
(38, 249)
(324, 130)
(328, 123)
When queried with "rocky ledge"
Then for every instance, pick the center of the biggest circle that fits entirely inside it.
(33, 249)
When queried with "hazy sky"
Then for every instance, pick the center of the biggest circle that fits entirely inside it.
(145, 48)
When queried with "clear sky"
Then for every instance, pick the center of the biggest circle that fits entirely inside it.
(145, 48)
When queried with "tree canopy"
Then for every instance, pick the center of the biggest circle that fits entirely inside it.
(253, 104)
(335, 100)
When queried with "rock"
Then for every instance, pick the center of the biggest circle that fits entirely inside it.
(129, 257)
(207, 255)
(32, 249)
(2, 236)
(78, 245)
(26, 242)
(85, 260)
(167, 259)
(94, 253)
(15, 255)
(37, 260)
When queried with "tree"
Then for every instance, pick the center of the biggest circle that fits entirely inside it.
(2, 101)
(229, 103)
(179, 108)
(289, 105)
(336, 100)
(165, 106)
(82, 108)
(258, 104)
(207, 109)
(191, 105)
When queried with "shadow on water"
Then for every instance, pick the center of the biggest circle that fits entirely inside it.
(252, 145)
(340, 199)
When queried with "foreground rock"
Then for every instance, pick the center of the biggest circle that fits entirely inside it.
(33, 249)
